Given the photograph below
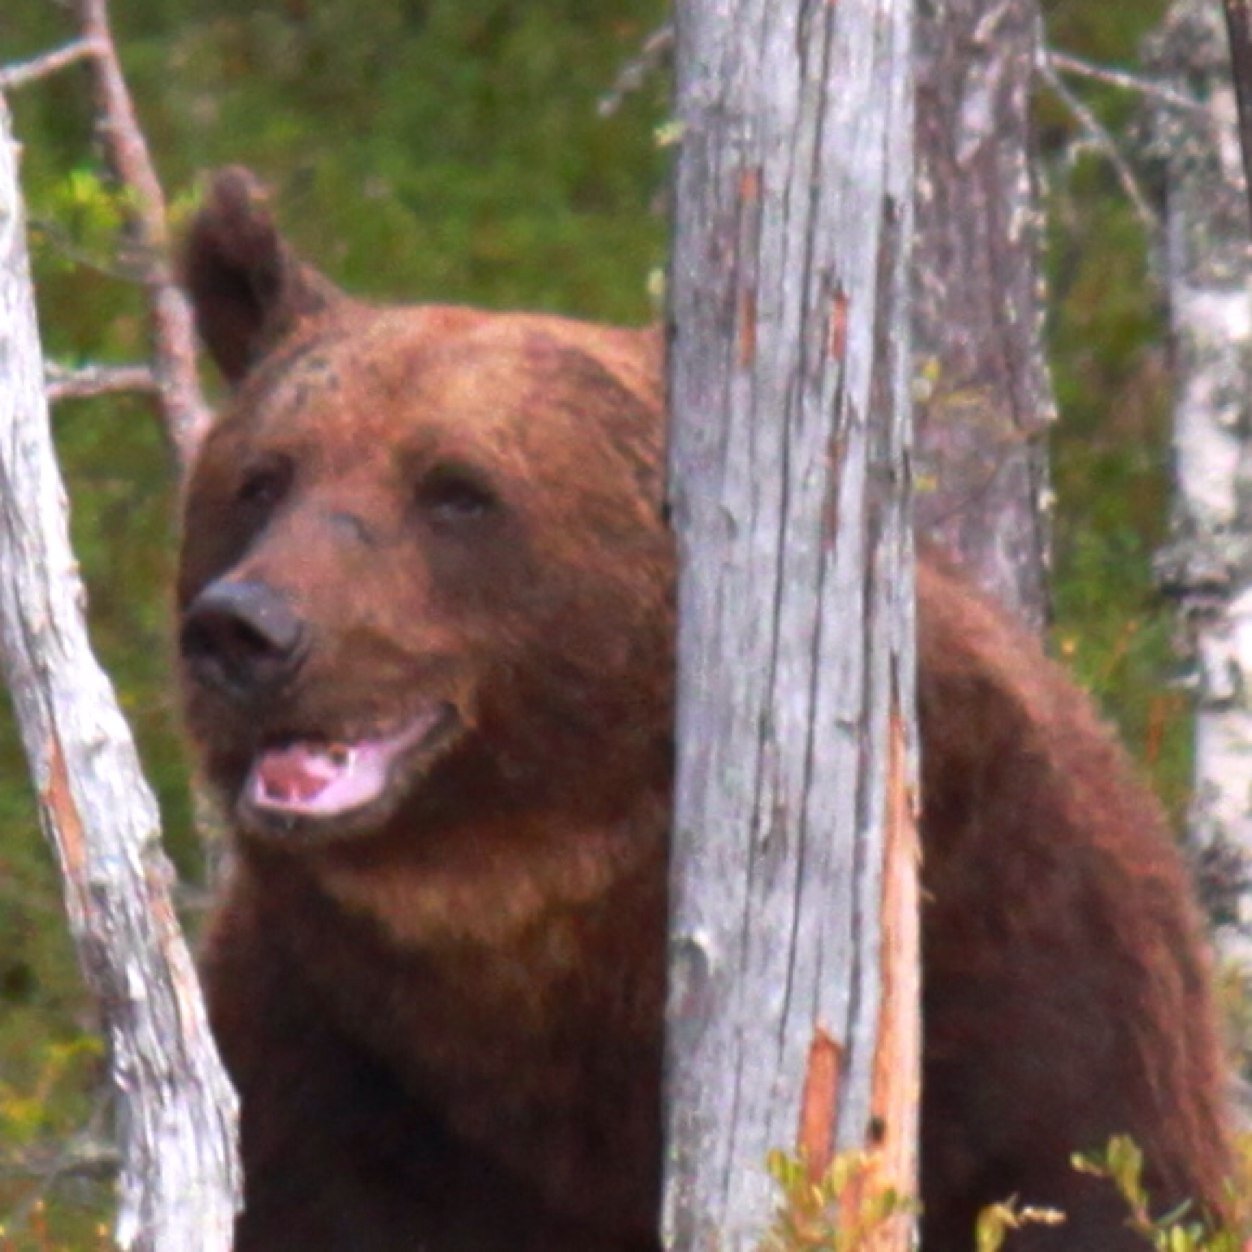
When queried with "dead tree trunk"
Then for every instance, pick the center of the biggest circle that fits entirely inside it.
(985, 396)
(184, 414)
(793, 1002)
(1207, 564)
(175, 1109)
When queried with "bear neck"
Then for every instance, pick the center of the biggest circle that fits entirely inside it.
(474, 967)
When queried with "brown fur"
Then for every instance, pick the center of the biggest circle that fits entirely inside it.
(444, 1015)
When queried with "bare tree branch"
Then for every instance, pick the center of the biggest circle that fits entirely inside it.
(632, 76)
(1065, 63)
(1097, 137)
(62, 383)
(176, 1111)
(84, 1156)
(46, 64)
(183, 410)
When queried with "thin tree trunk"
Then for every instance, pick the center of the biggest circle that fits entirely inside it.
(1207, 564)
(175, 1109)
(793, 1006)
(985, 396)
(184, 414)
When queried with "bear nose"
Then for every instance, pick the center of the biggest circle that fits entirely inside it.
(242, 637)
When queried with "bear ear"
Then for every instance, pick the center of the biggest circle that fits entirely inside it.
(247, 287)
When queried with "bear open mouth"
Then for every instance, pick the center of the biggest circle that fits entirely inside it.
(312, 778)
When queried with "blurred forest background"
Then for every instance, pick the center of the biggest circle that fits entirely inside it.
(455, 151)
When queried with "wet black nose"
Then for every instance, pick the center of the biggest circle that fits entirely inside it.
(242, 637)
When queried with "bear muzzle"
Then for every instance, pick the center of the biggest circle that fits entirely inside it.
(243, 639)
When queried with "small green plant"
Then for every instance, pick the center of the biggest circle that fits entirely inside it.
(845, 1209)
(82, 217)
(41, 1209)
(1181, 1230)
(24, 1113)
(996, 1220)
(37, 1236)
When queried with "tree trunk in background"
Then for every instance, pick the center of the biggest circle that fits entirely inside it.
(985, 397)
(174, 1107)
(793, 1013)
(1207, 564)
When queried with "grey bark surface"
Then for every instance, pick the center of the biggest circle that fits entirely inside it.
(984, 395)
(175, 1110)
(1207, 564)
(793, 912)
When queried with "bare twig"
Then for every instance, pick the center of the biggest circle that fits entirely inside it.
(632, 76)
(55, 236)
(1239, 28)
(62, 383)
(1097, 137)
(45, 64)
(1065, 63)
(183, 410)
(96, 1159)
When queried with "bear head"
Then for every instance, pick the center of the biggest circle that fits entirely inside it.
(426, 571)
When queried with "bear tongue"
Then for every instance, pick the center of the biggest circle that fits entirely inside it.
(318, 780)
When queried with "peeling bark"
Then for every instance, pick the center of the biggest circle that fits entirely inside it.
(1207, 564)
(176, 1112)
(984, 394)
(793, 914)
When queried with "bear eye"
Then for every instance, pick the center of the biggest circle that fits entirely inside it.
(452, 495)
(264, 485)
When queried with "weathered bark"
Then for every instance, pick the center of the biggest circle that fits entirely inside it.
(1239, 37)
(175, 1109)
(793, 995)
(985, 396)
(1207, 564)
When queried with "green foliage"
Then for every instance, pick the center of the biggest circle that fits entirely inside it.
(24, 1109)
(1110, 448)
(1121, 1163)
(844, 1210)
(847, 1208)
(41, 1231)
(997, 1221)
(83, 226)
(436, 148)
(33, 1109)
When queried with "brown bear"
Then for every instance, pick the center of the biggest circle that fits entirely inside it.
(426, 597)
